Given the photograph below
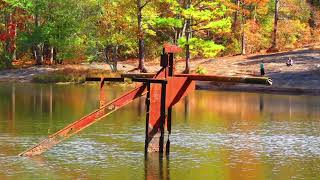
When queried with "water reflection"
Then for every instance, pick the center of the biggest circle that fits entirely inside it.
(261, 103)
(157, 166)
(215, 135)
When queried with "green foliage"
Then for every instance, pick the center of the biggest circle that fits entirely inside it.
(201, 70)
(169, 22)
(233, 46)
(5, 60)
(207, 17)
(201, 48)
(84, 28)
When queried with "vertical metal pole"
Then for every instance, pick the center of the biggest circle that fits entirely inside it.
(169, 117)
(102, 94)
(171, 57)
(147, 118)
(162, 115)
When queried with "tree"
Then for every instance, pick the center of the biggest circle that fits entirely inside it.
(194, 24)
(56, 27)
(141, 43)
(275, 26)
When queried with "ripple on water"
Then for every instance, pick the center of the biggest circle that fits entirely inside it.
(264, 142)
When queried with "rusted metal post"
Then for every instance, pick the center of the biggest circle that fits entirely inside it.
(156, 115)
(147, 118)
(102, 101)
(171, 64)
(162, 115)
(169, 118)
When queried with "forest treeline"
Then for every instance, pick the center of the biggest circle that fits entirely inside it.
(108, 30)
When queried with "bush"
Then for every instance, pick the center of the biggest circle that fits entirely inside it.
(55, 78)
(5, 61)
(201, 70)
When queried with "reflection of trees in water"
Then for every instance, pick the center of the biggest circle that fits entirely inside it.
(32, 103)
(186, 107)
(141, 106)
(248, 106)
(261, 103)
(11, 118)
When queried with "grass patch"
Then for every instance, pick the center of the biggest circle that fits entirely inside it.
(72, 75)
(55, 78)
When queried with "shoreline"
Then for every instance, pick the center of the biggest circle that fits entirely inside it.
(303, 78)
(258, 89)
(212, 86)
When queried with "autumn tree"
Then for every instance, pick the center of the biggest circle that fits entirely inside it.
(8, 33)
(275, 26)
(194, 24)
(113, 37)
(141, 42)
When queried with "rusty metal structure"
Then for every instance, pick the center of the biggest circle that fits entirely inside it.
(163, 90)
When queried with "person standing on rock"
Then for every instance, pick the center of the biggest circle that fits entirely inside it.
(262, 69)
(289, 62)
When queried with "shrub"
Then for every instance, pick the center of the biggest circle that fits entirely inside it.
(201, 70)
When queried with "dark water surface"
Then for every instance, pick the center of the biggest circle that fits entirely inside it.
(215, 135)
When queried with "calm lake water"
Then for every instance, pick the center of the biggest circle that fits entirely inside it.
(215, 135)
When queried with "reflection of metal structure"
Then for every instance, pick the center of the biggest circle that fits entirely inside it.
(163, 91)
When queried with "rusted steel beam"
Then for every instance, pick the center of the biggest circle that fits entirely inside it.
(234, 79)
(178, 88)
(170, 48)
(155, 122)
(113, 79)
(197, 77)
(84, 122)
(161, 99)
(138, 75)
(150, 80)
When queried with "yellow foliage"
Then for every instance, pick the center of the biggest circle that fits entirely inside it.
(291, 33)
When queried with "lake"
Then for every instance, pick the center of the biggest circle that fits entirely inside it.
(215, 135)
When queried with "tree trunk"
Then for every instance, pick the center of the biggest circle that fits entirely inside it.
(255, 14)
(115, 58)
(10, 43)
(141, 66)
(38, 47)
(187, 34)
(243, 43)
(176, 35)
(51, 51)
(236, 14)
(275, 26)
(243, 36)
